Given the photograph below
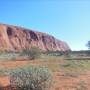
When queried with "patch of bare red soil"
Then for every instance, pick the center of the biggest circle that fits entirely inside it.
(13, 64)
(62, 82)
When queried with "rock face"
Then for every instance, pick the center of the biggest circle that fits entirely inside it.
(13, 38)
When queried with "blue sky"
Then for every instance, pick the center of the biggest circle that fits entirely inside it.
(67, 20)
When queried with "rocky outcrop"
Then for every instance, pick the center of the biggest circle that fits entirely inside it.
(13, 38)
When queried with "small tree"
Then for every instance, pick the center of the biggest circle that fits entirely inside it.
(88, 44)
(32, 53)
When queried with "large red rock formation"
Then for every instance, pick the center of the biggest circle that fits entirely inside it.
(13, 38)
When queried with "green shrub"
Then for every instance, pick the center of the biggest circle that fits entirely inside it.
(4, 72)
(31, 78)
(32, 53)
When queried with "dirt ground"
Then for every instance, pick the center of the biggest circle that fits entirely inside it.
(60, 80)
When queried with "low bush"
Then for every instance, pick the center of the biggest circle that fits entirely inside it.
(31, 78)
(31, 53)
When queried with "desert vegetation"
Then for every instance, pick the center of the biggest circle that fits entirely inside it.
(52, 69)
(32, 53)
(30, 78)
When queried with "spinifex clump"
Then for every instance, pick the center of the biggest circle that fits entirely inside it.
(31, 78)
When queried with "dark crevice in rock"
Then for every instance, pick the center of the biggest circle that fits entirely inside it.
(15, 35)
(33, 36)
(44, 40)
(9, 31)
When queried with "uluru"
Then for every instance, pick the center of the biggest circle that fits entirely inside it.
(16, 38)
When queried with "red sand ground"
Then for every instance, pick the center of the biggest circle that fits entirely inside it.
(60, 81)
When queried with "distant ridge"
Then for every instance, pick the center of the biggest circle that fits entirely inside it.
(15, 38)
